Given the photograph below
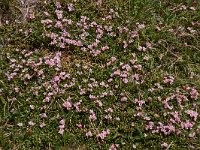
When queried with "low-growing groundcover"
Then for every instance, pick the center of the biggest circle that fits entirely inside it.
(105, 74)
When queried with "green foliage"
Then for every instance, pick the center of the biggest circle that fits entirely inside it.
(5, 4)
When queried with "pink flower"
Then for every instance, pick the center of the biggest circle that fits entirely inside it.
(68, 21)
(47, 99)
(187, 124)
(49, 62)
(150, 125)
(43, 115)
(97, 52)
(104, 48)
(62, 126)
(58, 5)
(149, 45)
(140, 26)
(99, 2)
(169, 79)
(56, 79)
(191, 135)
(62, 122)
(31, 123)
(79, 125)
(109, 110)
(125, 80)
(164, 145)
(124, 99)
(194, 93)
(127, 67)
(110, 80)
(192, 114)
(99, 103)
(138, 67)
(117, 72)
(140, 102)
(46, 13)
(176, 116)
(40, 72)
(58, 25)
(67, 105)
(89, 134)
(42, 125)
(83, 49)
(134, 34)
(47, 21)
(59, 14)
(61, 131)
(168, 129)
(70, 7)
(92, 97)
(103, 134)
(113, 147)
(108, 117)
(92, 116)
(166, 105)
(125, 44)
(32, 107)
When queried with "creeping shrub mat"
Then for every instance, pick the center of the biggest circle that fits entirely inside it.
(100, 74)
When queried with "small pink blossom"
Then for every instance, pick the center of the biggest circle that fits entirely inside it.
(47, 99)
(61, 131)
(125, 44)
(140, 26)
(79, 125)
(194, 93)
(150, 125)
(58, 5)
(124, 99)
(67, 105)
(47, 21)
(169, 79)
(187, 124)
(113, 147)
(92, 116)
(59, 14)
(192, 114)
(109, 110)
(166, 105)
(176, 117)
(103, 134)
(89, 134)
(46, 13)
(164, 145)
(62, 126)
(125, 80)
(43, 115)
(42, 125)
(56, 79)
(31, 123)
(70, 7)
(138, 67)
(62, 122)
(104, 48)
(59, 25)
(99, 2)
(191, 135)
(32, 107)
